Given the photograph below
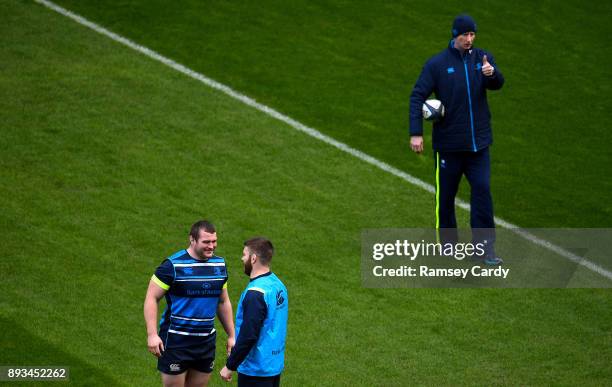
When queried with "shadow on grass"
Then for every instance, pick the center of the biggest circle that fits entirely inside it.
(22, 348)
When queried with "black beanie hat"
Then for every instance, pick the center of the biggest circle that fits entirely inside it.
(462, 24)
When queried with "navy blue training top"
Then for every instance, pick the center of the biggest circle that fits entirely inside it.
(193, 289)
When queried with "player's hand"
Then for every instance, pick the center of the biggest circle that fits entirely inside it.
(226, 374)
(487, 69)
(416, 144)
(231, 341)
(155, 344)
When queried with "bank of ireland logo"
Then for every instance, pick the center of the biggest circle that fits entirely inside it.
(206, 285)
(279, 298)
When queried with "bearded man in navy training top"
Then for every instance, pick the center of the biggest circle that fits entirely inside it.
(460, 76)
(261, 321)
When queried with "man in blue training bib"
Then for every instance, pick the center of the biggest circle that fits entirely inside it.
(261, 321)
(194, 282)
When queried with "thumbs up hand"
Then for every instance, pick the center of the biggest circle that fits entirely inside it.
(487, 69)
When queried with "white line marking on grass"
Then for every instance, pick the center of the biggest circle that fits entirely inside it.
(314, 133)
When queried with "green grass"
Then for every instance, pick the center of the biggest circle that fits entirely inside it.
(106, 159)
(347, 69)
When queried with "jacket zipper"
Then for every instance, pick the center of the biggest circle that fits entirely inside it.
(467, 80)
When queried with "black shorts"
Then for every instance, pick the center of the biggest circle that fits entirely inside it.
(175, 361)
(258, 381)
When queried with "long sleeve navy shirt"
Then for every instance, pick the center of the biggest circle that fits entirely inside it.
(254, 313)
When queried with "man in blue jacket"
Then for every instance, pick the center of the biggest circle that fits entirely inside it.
(460, 76)
(261, 321)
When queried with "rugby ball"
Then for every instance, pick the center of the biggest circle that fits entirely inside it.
(433, 110)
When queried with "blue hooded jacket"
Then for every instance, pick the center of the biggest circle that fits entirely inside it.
(457, 81)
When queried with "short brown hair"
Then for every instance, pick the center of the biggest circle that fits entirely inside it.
(201, 225)
(262, 247)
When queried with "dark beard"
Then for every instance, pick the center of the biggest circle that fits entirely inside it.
(201, 255)
(248, 268)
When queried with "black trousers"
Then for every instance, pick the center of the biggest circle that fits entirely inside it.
(450, 168)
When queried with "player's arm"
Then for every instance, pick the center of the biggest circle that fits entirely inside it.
(225, 313)
(154, 293)
(254, 311)
(422, 89)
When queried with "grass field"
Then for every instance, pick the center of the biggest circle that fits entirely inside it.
(347, 69)
(108, 157)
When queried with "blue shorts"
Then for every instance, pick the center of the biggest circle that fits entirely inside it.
(201, 357)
